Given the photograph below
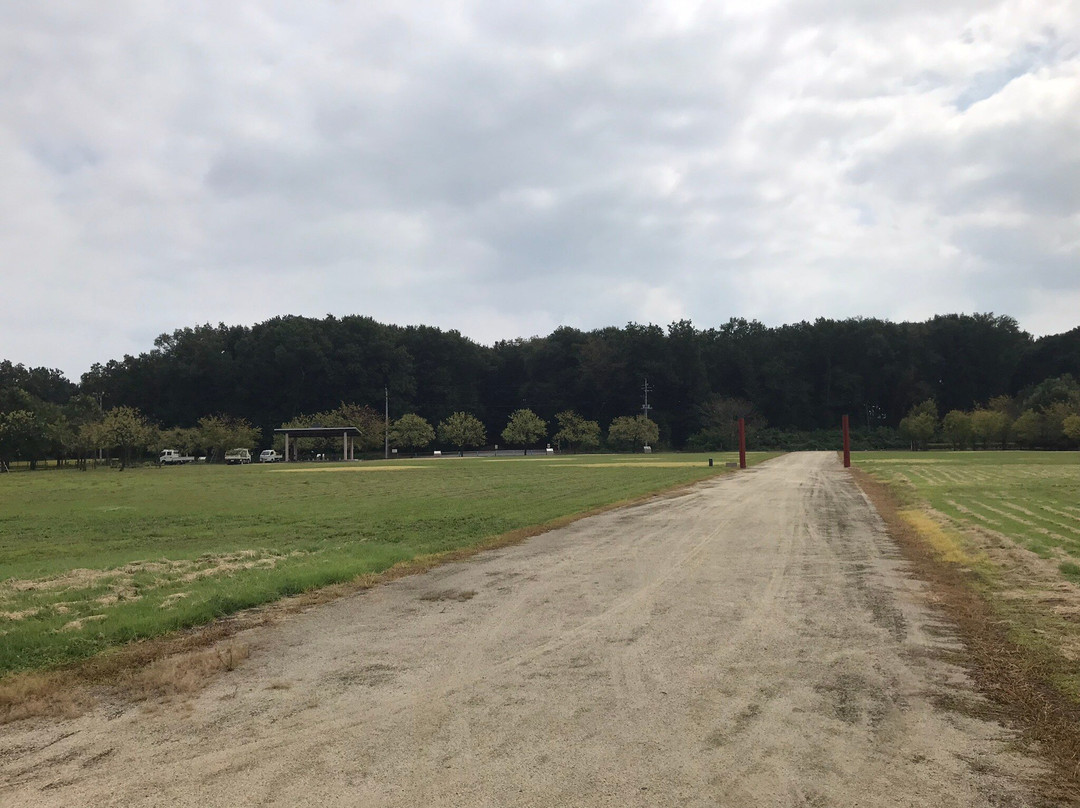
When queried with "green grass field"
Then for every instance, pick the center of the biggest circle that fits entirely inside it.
(90, 560)
(1031, 497)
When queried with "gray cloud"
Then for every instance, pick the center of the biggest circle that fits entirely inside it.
(505, 168)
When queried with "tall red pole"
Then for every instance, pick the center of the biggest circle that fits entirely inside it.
(742, 443)
(847, 441)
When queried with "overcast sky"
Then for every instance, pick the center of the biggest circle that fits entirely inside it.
(504, 167)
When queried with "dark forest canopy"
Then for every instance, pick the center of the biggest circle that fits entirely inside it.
(800, 376)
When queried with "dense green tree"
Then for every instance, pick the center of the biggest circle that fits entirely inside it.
(79, 411)
(23, 436)
(918, 429)
(186, 440)
(956, 428)
(126, 430)
(43, 384)
(989, 426)
(1054, 418)
(719, 417)
(525, 427)
(1071, 427)
(920, 424)
(1058, 390)
(1029, 428)
(632, 432)
(220, 433)
(411, 432)
(575, 431)
(462, 431)
(90, 439)
(1050, 357)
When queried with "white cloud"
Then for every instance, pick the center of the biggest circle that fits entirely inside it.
(503, 169)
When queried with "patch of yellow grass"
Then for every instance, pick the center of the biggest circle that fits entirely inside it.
(119, 580)
(28, 695)
(902, 461)
(521, 459)
(19, 615)
(345, 468)
(76, 625)
(189, 672)
(653, 464)
(946, 544)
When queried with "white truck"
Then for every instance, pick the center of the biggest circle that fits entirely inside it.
(269, 456)
(171, 457)
(237, 457)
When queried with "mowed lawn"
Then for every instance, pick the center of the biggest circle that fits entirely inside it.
(1031, 497)
(89, 560)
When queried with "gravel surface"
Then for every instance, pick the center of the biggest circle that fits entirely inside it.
(754, 641)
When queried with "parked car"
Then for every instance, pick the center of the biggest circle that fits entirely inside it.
(236, 457)
(171, 457)
(269, 456)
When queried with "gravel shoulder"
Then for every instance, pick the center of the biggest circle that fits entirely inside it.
(754, 641)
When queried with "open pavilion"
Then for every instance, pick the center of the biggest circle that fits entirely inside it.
(348, 435)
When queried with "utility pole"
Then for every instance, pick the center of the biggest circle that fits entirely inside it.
(386, 441)
(646, 390)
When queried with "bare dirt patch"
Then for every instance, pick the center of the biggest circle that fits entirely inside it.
(449, 594)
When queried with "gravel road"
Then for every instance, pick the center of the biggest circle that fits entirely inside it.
(754, 641)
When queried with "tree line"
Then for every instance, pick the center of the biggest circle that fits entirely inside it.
(36, 430)
(790, 382)
(1045, 416)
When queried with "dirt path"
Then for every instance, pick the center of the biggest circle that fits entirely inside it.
(754, 642)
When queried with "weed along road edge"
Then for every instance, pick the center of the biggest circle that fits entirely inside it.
(754, 641)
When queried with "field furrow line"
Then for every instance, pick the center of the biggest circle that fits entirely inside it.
(1025, 522)
(973, 514)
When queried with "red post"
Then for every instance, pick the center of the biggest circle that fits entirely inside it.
(742, 443)
(847, 441)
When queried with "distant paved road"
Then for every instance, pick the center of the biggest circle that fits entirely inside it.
(754, 642)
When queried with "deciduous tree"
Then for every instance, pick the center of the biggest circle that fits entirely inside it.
(631, 432)
(1028, 428)
(574, 430)
(128, 431)
(410, 431)
(219, 433)
(184, 439)
(719, 418)
(920, 424)
(989, 426)
(523, 428)
(463, 431)
(22, 436)
(956, 427)
(1071, 428)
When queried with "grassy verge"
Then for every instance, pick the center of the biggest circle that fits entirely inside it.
(91, 561)
(1015, 609)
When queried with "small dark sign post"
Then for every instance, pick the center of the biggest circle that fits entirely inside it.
(742, 443)
(847, 441)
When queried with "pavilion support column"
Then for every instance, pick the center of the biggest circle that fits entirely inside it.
(286, 447)
(344, 445)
